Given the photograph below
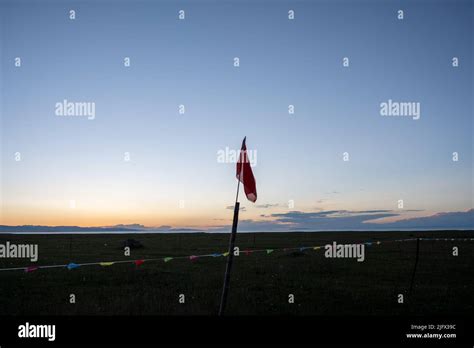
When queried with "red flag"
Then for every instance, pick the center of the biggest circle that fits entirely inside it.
(245, 175)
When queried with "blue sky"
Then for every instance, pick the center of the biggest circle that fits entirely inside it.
(190, 62)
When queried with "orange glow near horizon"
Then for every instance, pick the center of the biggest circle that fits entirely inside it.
(79, 216)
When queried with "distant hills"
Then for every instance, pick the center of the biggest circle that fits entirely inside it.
(35, 228)
(116, 228)
(330, 220)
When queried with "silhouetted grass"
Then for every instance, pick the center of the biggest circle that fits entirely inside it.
(260, 283)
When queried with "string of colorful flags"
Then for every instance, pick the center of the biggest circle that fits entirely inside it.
(138, 262)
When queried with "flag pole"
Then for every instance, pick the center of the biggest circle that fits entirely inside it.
(230, 256)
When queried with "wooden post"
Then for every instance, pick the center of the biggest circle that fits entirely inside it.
(230, 259)
(230, 256)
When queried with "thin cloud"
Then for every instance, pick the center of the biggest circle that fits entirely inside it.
(449, 220)
(231, 207)
(268, 205)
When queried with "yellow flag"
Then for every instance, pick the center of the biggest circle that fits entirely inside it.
(106, 263)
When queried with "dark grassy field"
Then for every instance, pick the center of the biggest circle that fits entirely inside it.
(260, 284)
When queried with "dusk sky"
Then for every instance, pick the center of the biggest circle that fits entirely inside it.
(73, 171)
